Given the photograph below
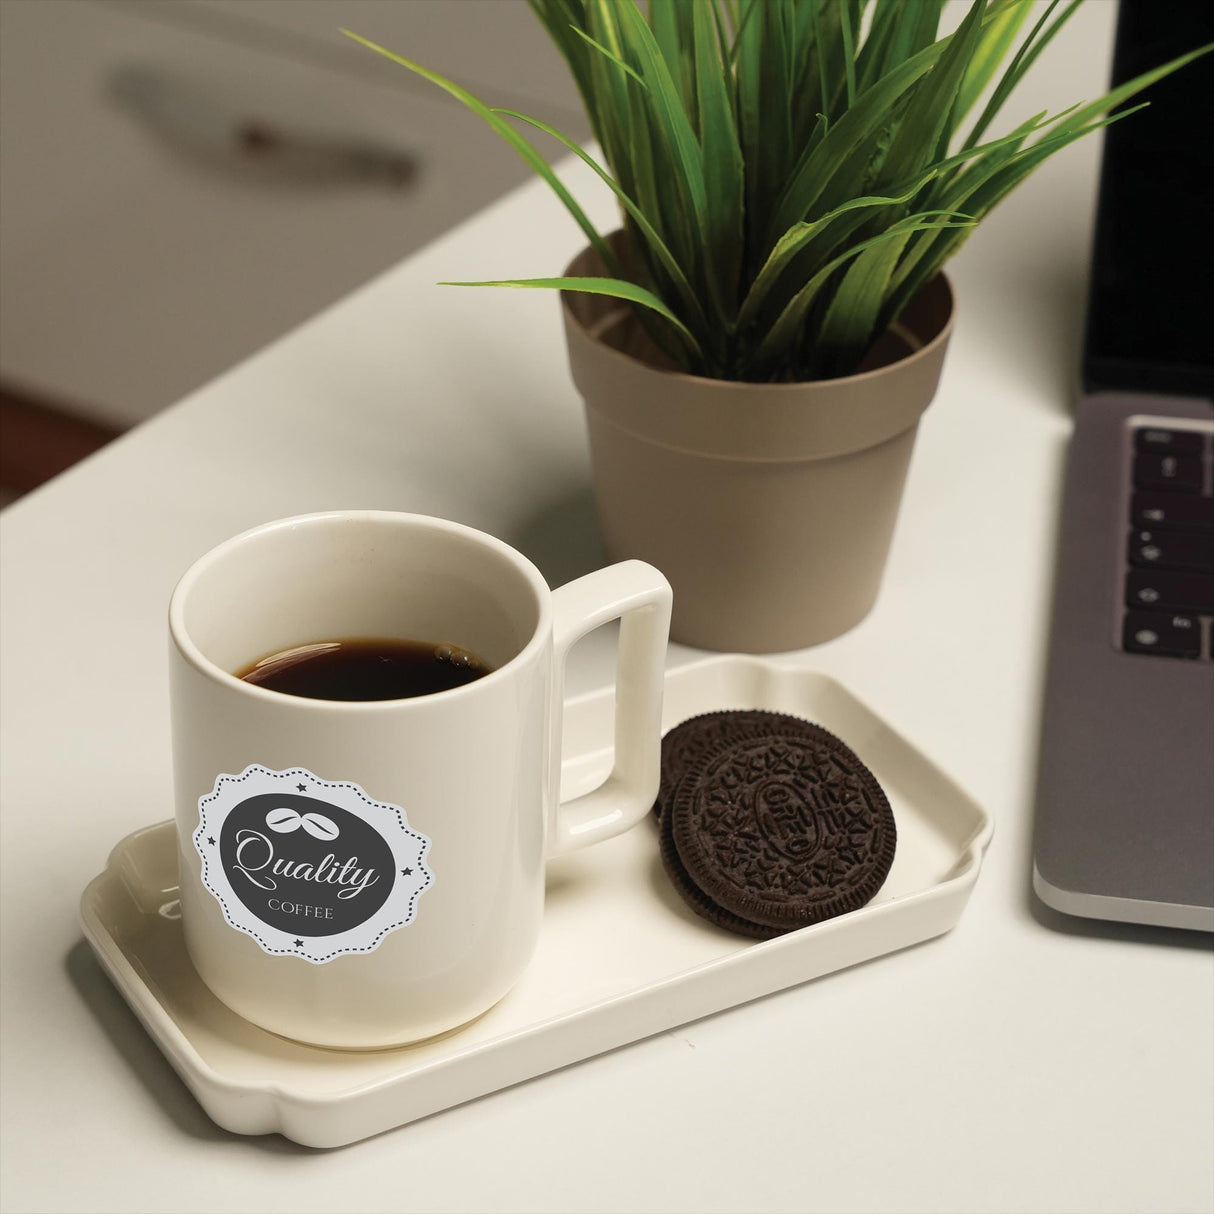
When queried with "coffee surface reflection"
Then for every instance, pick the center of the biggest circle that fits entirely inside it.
(366, 668)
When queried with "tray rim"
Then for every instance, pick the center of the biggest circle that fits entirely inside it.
(193, 1067)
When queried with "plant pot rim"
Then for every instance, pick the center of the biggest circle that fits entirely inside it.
(739, 420)
(703, 383)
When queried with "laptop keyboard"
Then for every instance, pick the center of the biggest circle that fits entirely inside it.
(1169, 570)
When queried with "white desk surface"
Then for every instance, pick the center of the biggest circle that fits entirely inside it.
(1019, 1063)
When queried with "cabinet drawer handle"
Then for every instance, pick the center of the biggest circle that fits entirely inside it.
(202, 124)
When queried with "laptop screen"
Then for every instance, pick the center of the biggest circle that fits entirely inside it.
(1151, 308)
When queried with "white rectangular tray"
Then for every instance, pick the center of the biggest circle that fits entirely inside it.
(619, 958)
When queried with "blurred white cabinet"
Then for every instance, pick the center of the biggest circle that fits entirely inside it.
(142, 251)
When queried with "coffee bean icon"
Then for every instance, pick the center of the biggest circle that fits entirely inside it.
(320, 827)
(283, 820)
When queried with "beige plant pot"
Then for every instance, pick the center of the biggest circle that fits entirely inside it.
(769, 507)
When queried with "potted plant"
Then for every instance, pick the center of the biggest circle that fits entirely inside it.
(757, 342)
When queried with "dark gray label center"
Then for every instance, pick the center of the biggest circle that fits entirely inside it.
(304, 865)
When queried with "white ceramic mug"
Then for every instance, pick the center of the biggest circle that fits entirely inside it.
(360, 874)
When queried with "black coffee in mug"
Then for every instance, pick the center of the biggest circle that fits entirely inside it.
(366, 668)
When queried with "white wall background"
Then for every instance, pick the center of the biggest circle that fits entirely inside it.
(137, 264)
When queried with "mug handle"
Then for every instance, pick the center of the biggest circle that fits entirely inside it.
(639, 596)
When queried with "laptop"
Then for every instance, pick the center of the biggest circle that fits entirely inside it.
(1125, 804)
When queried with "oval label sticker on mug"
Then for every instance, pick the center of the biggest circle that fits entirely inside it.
(308, 867)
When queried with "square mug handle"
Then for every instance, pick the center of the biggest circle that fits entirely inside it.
(639, 596)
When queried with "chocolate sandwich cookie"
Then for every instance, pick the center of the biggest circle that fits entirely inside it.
(695, 897)
(685, 744)
(781, 829)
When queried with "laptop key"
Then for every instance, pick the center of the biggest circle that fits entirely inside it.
(1176, 473)
(1164, 441)
(1173, 635)
(1166, 590)
(1159, 510)
(1172, 550)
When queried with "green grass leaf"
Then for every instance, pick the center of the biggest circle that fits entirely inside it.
(931, 107)
(983, 186)
(669, 119)
(536, 162)
(800, 235)
(835, 167)
(602, 50)
(783, 334)
(850, 322)
(1039, 37)
(646, 229)
(791, 172)
(997, 37)
(849, 53)
(723, 170)
(617, 288)
(1083, 114)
